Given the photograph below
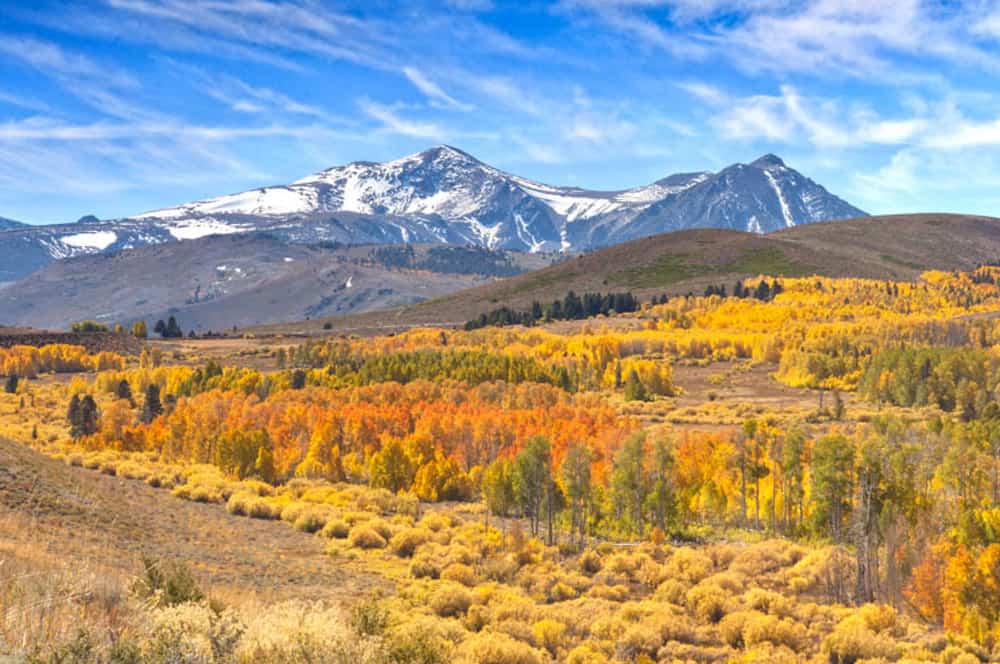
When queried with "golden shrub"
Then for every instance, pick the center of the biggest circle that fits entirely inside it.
(311, 520)
(497, 648)
(190, 632)
(761, 628)
(365, 537)
(382, 527)
(405, 542)
(590, 562)
(549, 634)
(450, 599)
(586, 654)
(671, 590)
(615, 593)
(688, 564)
(301, 633)
(460, 573)
(560, 591)
(336, 529)
(708, 602)
(435, 521)
(852, 639)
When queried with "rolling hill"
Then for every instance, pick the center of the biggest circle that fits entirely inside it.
(895, 246)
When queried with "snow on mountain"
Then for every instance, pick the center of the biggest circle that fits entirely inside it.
(484, 205)
(96, 240)
(444, 195)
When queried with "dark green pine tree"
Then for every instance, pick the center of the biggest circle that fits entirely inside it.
(89, 416)
(124, 390)
(173, 329)
(10, 385)
(73, 416)
(152, 407)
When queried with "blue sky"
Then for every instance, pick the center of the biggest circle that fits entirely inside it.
(115, 107)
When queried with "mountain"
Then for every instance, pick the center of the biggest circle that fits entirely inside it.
(896, 247)
(444, 195)
(10, 224)
(486, 206)
(216, 282)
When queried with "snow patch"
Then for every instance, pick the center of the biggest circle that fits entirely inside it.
(192, 229)
(98, 240)
(785, 211)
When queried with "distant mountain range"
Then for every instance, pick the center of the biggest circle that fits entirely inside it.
(444, 195)
(10, 224)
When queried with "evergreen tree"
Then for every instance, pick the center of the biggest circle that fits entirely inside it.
(124, 390)
(10, 385)
(152, 407)
(173, 330)
(160, 328)
(83, 416)
(73, 416)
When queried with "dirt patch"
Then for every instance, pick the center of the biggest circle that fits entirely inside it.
(102, 520)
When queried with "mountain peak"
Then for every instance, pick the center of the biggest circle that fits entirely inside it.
(447, 151)
(768, 160)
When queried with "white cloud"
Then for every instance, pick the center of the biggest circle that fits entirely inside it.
(926, 180)
(432, 90)
(395, 123)
(824, 123)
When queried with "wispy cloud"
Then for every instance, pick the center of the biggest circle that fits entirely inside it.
(432, 90)
(11, 99)
(54, 61)
(393, 122)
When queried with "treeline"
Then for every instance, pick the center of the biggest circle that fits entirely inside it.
(29, 361)
(471, 366)
(572, 307)
(597, 363)
(421, 436)
(958, 379)
(764, 291)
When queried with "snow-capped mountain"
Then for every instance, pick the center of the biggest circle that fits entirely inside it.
(445, 195)
(10, 224)
(486, 206)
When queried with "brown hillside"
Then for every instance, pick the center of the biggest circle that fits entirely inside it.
(888, 247)
(91, 519)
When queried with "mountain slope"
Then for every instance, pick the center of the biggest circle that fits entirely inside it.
(886, 247)
(10, 224)
(245, 279)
